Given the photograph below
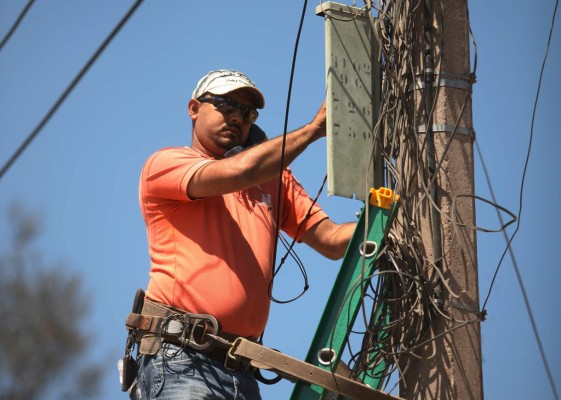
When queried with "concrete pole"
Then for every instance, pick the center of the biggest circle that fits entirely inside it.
(451, 366)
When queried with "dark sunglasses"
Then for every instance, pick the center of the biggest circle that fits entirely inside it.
(227, 106)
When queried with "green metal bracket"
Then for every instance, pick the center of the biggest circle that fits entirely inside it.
(345, 299)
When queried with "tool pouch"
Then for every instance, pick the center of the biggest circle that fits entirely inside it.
(128, 366)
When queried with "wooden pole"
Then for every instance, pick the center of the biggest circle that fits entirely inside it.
(449, 367)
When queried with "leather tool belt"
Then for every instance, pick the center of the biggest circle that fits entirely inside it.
(159, 323)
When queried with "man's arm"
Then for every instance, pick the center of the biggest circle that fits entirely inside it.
(256, 165)
(329, 239)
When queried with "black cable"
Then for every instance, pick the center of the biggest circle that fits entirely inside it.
(69, 89)
(509, 243)
(531, 140)
(279, 196)
(290, 251)
(518, 276)
(16, 23)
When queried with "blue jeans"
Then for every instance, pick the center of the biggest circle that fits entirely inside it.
(175, 374)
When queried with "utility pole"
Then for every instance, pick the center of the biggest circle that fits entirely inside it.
(450, 365)
(426, 318)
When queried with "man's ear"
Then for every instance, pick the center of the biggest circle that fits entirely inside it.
(193, 106)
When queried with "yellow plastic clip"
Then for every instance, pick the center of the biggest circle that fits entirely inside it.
(383, 198)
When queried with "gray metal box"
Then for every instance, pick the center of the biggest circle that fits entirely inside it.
(353, 96)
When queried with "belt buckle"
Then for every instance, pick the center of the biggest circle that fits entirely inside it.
(233, 364)
(231, 361)
(191, 329)
(209, 326)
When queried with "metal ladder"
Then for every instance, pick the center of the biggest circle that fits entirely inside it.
(346, 296)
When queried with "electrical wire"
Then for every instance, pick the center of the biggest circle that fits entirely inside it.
(521, 197)
(69, 89)
(285, 131)
(520, 281)
(405, 299)
(405, 276)
(16, 24)
(290, 251)
(528, 153)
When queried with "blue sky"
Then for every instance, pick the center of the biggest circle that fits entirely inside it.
(81, 173)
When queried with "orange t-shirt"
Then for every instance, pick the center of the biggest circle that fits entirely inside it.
(214, 255)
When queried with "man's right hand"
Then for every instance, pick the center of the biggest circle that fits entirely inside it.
(319, 121)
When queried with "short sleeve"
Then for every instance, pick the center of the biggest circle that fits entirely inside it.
(300, 213)
(167, 173)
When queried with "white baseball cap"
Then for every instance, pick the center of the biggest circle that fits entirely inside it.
(224, 81)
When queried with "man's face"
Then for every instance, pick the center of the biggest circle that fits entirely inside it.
(216, 132)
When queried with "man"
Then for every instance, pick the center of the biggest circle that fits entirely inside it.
(210, 213)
